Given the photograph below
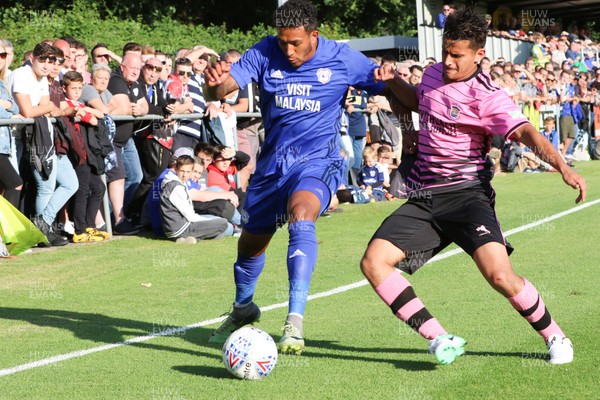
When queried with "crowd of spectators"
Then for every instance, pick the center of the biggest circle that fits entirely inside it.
(52, 173)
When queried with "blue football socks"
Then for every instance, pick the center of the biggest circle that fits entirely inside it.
(246, 271)
(302, 257)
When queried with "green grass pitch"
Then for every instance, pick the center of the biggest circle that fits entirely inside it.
(83, 297)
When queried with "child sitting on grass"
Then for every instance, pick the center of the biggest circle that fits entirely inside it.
(180, 221)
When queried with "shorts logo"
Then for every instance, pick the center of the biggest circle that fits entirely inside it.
(454, 112)
(277, 74)
(245, 216)
(482, 230)
(324, 75)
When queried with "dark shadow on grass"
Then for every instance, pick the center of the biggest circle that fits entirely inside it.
(104, 329)
(409, 365)
(203, 370)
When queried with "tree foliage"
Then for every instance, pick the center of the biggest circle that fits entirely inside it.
(219, 24)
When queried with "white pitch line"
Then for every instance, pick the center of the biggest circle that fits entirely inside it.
(340, 289)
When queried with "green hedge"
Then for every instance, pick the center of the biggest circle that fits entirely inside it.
(25, 28)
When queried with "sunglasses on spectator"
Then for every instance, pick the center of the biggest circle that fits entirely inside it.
(184, 73)
(60, 61)
(47, 59)
(550, 80)
(153, 68)
(3, 55)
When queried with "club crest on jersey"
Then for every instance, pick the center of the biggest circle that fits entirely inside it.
(324, 75)
(454, 112)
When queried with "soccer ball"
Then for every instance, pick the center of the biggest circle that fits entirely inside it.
(250, 353)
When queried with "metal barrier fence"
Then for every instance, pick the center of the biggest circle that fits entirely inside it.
(118, 118)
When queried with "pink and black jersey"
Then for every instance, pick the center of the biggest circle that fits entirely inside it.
(456, 124)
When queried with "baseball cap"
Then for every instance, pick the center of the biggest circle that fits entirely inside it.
(183, 151)
(487, 16)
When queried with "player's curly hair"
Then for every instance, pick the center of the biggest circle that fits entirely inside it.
(465, 24)
(296, 13)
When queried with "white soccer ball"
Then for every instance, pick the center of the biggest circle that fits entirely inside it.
(250, 353)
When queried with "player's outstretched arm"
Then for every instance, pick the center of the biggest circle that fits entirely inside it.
(401, 90)
(528, 135)
(218, 83)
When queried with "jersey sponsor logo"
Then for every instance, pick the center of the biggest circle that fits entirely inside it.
(454, 112)
(292, 95)
(482, 230)
(294, 103)
(277, 74)
(324, 75)
(436, 125)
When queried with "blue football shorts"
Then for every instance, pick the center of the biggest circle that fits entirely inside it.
(265, 208)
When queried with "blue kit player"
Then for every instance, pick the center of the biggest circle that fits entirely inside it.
(303, 80)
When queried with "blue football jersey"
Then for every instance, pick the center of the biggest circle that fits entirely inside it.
(301, 107)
